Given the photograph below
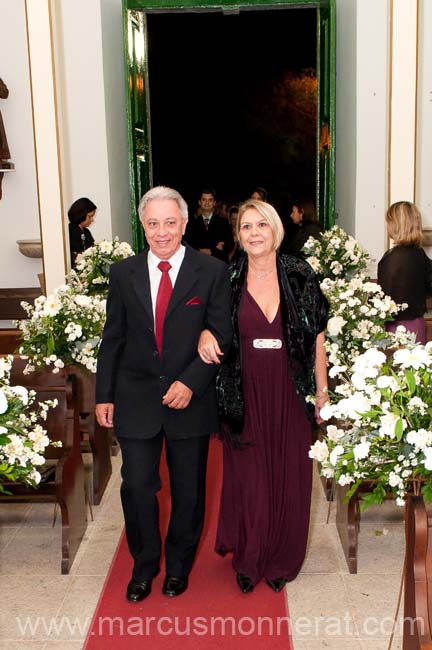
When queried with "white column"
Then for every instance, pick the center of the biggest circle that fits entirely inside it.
(423, 194)
(403, 89)
(46, 140)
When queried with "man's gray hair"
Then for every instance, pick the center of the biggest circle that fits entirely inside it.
(161, 193)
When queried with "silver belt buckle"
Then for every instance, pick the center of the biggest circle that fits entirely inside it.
(274, 344)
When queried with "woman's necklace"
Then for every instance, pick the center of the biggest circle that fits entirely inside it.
(260, 275)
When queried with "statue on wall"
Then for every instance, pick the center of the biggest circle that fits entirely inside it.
(5, 164)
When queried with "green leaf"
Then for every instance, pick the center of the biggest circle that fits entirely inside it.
(427, 491)
(411, 382)
(399, 429)
(50, 344)
(376, 497)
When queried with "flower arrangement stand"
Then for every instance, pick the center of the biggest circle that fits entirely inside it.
(417, 633)
(348, 520)
(99, 438)
(63, 479)
(348, 525)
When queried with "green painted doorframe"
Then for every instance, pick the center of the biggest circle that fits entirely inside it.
(138, 105)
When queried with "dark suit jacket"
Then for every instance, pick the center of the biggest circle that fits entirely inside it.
(130, 372)
(219, 230)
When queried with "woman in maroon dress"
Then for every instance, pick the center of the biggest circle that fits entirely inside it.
(277, 359)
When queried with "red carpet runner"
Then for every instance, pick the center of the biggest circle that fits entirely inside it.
(211, 614)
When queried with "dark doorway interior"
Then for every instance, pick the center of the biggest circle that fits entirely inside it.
(233, 103)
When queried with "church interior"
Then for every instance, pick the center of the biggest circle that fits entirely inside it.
(105, 99)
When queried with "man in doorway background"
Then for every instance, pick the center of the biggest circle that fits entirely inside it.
(210, 233)
(152, 386)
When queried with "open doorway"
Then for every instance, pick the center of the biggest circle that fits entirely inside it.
(233, 98)
(233, 103)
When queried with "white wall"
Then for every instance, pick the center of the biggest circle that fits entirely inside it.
(19, 211)
(346, 114)
(81, 94)
(115, 111)
(423, 195)
(93, 115)
(362, 121)
(372, 125)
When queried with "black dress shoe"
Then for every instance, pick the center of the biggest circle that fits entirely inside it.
(244, 582)
(174, 586)
(137, 591)
(277, 584)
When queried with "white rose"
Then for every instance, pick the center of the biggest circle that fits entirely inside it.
(21, 392)
(3, 402)
(361, 450)
(428, 458)
(388, 423)
(105, 246)
(394, 479)
(336, 370)
(335, 325)
(383, 381)
(333, 433)
(335, 453)
(327, 411)
(319, 451)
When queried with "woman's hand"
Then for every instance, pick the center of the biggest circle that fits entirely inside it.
(321, 399)
(208, 348)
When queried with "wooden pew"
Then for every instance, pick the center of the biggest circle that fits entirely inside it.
(99, 441)
(418, 577)
(98, 438)
(63, 481)
(9, 340)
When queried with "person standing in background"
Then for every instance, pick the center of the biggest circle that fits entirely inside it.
(210, 233)
(405, 271)
(305, 225)
(81, 215)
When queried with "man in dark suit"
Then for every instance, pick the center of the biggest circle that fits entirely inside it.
(210, 233)
(152, 385)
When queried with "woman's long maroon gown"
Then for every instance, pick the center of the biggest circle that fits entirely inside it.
(265, 502)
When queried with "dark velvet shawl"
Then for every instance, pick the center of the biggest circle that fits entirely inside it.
(304, 316)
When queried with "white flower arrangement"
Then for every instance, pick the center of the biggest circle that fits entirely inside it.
(359, 309)
(91, 272)
(336, 255)
(62, 328)
(22, 438)
(358, 312)
(383, 430)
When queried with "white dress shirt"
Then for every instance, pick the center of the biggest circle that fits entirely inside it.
(155, 274)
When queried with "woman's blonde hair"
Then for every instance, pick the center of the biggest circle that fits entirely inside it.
(268, 212)
(404, 224)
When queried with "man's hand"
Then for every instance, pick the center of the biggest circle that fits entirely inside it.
(177, 396)
(220, 245)
(105, 414)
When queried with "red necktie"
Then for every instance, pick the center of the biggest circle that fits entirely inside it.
(162, 300)
(206, 222)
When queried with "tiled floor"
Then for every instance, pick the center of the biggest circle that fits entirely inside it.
(329, 608)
